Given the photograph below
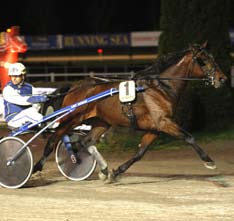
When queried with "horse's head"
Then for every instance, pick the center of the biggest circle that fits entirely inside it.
(204, 65)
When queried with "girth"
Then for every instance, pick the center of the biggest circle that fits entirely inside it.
(127, 111)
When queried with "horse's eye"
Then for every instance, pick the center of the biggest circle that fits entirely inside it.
(200, 62)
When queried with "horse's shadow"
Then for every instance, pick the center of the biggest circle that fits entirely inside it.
(39, 183)
(218, 180)
(138, 179)
(40, 180)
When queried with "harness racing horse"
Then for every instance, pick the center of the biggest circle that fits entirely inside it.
(153, 108)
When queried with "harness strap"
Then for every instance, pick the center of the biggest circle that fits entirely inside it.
(128, 112)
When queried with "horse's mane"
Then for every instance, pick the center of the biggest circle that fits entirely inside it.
(82, 84)
(161, 64)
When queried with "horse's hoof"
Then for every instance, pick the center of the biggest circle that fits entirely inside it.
(210, 165)
(37, 167)
(36, 175)
(102, 176)
(111, 178)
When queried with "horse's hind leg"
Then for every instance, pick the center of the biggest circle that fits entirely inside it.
(146, 140)
(89, 141)
(47, 151)
(52, 141)
(103, 174)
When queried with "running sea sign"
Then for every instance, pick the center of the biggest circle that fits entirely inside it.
(127, 91)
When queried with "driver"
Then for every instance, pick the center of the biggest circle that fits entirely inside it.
(20, 99)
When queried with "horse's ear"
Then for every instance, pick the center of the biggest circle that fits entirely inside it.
(205, 45)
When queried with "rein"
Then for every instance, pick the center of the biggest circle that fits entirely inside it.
(204, 64)
(152, 77)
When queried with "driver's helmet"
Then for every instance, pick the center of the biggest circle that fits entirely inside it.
(16, 69)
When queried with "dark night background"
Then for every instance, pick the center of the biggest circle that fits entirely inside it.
(182, 22)
(80, 17)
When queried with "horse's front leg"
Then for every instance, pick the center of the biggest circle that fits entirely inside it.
(208, 162)
(173, 129)
(146, 140)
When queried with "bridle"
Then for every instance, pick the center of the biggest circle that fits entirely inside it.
(207, 64)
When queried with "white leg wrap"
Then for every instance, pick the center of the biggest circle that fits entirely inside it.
(98, 157)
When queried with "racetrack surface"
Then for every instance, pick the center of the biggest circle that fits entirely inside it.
(164, 185)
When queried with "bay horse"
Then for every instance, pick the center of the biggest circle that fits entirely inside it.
(153, 108)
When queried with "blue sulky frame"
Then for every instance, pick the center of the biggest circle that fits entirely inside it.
(55, 116)
(64, 112)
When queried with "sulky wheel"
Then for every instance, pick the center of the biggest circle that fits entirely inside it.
(82, 169)
(14, 174)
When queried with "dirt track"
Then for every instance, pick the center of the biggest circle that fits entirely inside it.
(165, 185)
